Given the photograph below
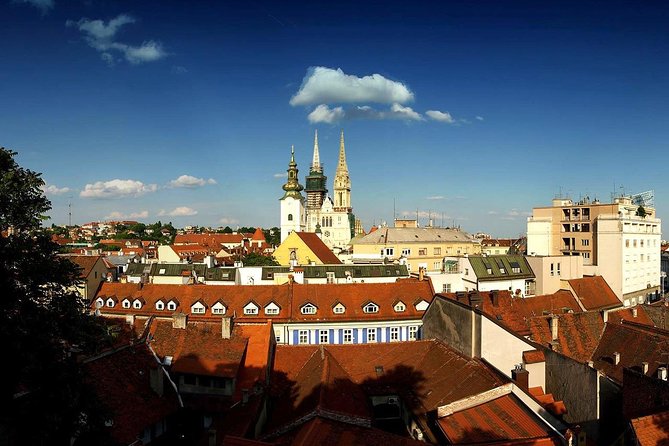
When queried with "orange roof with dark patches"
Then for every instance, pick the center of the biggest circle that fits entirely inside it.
(319, 248)
(594, 293)
(559, 302)
(86, 263)
(258, 350)
(533, 356)
(652, 430)
(578, 334)
(502, 419)
(235, 297)
(200, 348)
(122, 382)
(636, 314)
(636, 344)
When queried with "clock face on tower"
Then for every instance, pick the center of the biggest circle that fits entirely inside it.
(327, 233)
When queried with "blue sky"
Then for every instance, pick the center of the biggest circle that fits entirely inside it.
(470, 111)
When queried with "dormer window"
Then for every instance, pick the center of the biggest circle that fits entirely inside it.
(171, 305)
(272, 309)
(339, 309)
(160, 305)
(137, 304)
(126, 303)
(218, 308)
(400, 307)
(251, 309)
(308, 309)
(110, 302)
(198, 308)
(99, 303)
(371, 308)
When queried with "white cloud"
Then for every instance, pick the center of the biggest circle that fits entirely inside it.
(325, 114)
(52, 189)
(191, 181)
(400, 112)
(228, 221)
(117, 189)
(116, 215)
(492, 212)
(181, 211)
(43, 5)
(479, 118)
(326, 85)
(101, 36)
(436, 197)
(436, 115)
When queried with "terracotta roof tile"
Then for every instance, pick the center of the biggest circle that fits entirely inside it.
(504, 418)
(86, 263)
(533, 356)
(594, 293)
(578, 334)
(319, 248)
(628, 314)
(652, 430)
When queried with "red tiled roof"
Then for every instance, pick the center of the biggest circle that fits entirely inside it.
(578, 334)
(635, 343)
(504, 418)
(235, 297)
(553, 303)
(258, 352)
(594, 293)
(122, 382)
(258, 235)
(319, 248)
(213, 240)
(199, 349)
(652, 430)
(86, 263)
(533, 356)
(627, 314)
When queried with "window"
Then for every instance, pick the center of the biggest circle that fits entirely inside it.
(466, 271)
(437, 251)
(330, 277)
(339, 309)
(406, 252)
(323, 337)
(197, 309)
(348, 336)
(290, 217)
(634, 243)
(137, 304)
(308, 309)
(99, 303)
(422, 251)
(250, 309)
(371, 308)
(446, 288)
(126, 303)
(436, 265)
(586, 255)
(160, 305)
(371, 335)
(394, 334)
(400, 307)
(558, 268)
(388, 252)
(552, 269)
(413, 333)
(218, 309)
(271, 310)
(585, 242)
(110, 302)
(303, 337)
(627, 243)
(171, 306)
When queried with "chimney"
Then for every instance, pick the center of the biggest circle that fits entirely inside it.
(495, 298)
(634, 312)
(156, 380)
(421, 273)
(616, 358)
(130, 319)
(179, 320)
(644, 367)
(521, 376)
(226, 327)
(554, 328)
(662, 373)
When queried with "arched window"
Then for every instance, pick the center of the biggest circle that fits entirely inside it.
(290, 217)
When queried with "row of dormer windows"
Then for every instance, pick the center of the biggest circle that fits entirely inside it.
(250, 309)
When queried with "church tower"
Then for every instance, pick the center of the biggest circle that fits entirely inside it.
(316, 181)
(342, 182)
(293, 216)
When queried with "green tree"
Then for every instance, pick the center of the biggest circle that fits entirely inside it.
(44, 321)
(254, 259)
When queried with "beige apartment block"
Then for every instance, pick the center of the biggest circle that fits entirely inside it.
(552, 271)
(612, 239)
(415, 247)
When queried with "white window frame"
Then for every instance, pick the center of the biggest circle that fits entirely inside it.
(371, 307)
(218, 310)
(303, 337)
(126, 303)
(406, 252)
(371, 335)
(110, 303)
(446, 288)
(388, 252)
(308, 309)
(137, 304)
(347, 336)
(394, 334)
(250, 309)
(412, 332)
(198, 309)
(339, 309)
(400, 307)
(171, 306)
(323, 336)
(99, 303)
(160, 305)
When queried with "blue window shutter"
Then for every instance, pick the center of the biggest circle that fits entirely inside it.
(295, 337)
(317, 339)
(387, 334)
(355, 336)
(364, 336)
(331, 335)
(378, 334)
(341, 336)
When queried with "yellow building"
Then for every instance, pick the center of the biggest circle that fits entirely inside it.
(417, 247)
(304, 248)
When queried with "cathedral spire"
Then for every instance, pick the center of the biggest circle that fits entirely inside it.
(316, 163)
(342, 181)
(341, 165)
(292, 186)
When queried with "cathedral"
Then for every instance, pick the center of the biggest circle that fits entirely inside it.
(330, 217)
